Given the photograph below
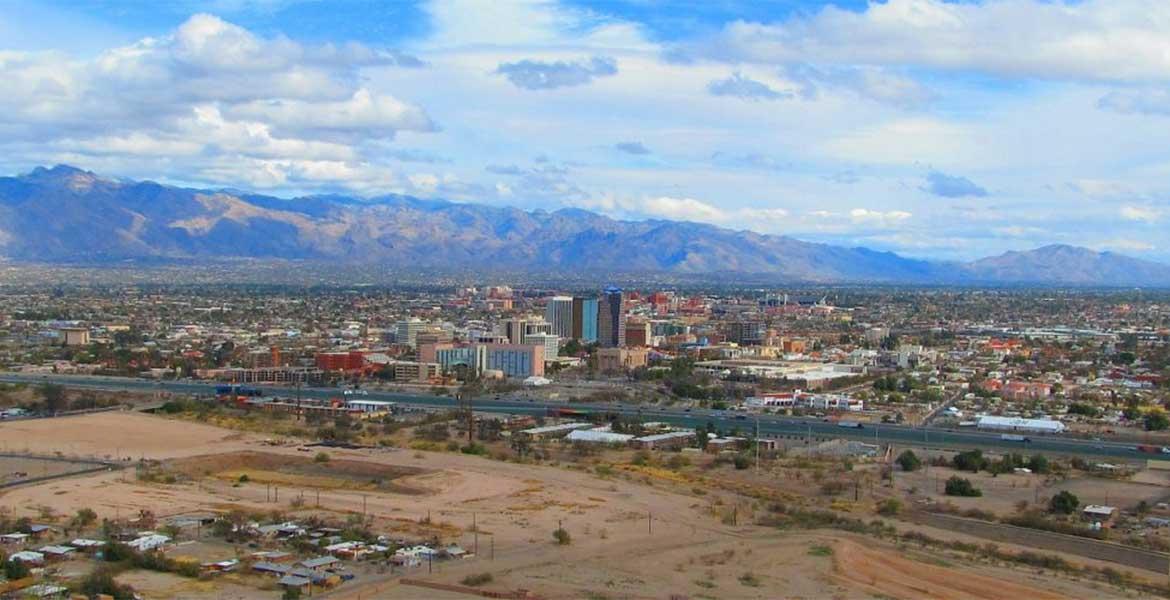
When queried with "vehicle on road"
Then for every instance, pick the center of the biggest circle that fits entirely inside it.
(1011, 437)
(850, 425)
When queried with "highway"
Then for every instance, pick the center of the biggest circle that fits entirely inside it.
(769, 425)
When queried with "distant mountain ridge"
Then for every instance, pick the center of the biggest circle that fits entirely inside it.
(64, 214)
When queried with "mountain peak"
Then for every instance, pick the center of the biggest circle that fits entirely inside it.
(96, 219)
(68, 176)
(56, 172)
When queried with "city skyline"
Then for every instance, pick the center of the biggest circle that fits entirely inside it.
(930, 128)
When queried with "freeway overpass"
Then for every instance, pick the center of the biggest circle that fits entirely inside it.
(769, 425)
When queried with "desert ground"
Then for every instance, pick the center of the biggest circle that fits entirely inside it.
(631, 537)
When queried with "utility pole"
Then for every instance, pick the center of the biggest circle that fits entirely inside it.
(757, 445)
(475, 529)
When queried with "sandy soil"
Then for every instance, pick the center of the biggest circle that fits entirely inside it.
(1001, 493)
(629, 540)
(883, 573)
(119, 434)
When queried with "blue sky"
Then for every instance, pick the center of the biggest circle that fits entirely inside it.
(927, 127)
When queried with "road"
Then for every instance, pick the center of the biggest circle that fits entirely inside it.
(769, 425)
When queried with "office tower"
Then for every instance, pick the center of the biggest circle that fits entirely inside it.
(537, 326)
(514, 330)
(584, 319)
(406, 331)
(550, 342)
(559, 312)
(611, 318)
(746, 333)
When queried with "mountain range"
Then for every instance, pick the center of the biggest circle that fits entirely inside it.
(64, 214)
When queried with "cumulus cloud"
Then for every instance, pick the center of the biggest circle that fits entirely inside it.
(687, 209)
(544, 181)
(1093, 40)
(951, 186)
(637, 148)
(217, 96)
(1144, 214)
(884, 219)
(1124, 245)
(538, 75)
(750, 160)
(1140, 101)
(745, 88)
(873, 83)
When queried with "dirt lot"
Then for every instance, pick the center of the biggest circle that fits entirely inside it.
(119, 434)
(634, 534)
(1001, 493)
(303, 470)
(16, 469)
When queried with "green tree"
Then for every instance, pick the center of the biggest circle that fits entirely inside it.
(53, 396)
(1039, 464)
(909, 461)
(1064, 503)
(562, 537)
(889, 507)
(1156, 420)
(958, 486)
(971, 460)
(15, 569)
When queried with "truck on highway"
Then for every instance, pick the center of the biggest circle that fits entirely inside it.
(1147, 448)
(1011, 437)
(850, 424)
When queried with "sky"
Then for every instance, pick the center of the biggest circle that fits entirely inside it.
(931, 128)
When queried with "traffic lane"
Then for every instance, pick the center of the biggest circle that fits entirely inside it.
(769, 424)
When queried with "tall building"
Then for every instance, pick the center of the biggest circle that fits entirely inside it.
(514, 360)
(559, 312)
(406, 331)
(548, 340)
(638, 333)
(746, 333)
(537, 326)
(584, 319)
(514, 330)
(611, 318)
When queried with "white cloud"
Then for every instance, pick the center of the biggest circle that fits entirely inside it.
(1125, 245)
(763, 220)
(1095, 40)
(1145, 214)
(890, 218)
(211, 94)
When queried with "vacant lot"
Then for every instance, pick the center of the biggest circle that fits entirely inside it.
(14, 469)
(118, 435)
(634, 532)
(298, 471)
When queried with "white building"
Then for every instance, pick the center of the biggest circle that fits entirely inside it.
(559, 312)
(994, 423)
(148, 541)
(549, 341)
(406, 331)
(595, 436)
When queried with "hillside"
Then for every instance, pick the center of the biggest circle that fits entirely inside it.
(64, 214)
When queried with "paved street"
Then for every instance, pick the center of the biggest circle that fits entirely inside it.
(769, 425)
